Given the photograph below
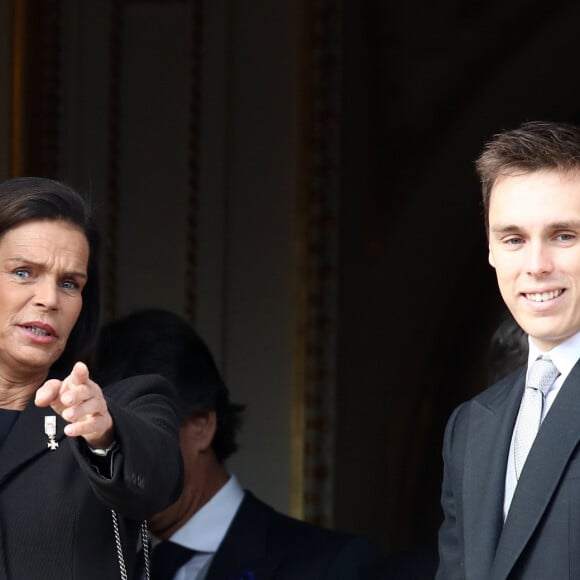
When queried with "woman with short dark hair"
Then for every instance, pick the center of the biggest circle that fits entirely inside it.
(80, 467)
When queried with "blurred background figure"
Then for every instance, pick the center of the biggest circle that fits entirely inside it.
(217, 529)
(508, 349)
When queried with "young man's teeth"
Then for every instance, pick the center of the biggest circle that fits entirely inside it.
(543, 296)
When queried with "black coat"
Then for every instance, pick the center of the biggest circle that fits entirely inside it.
(55, 509)
(540, 538)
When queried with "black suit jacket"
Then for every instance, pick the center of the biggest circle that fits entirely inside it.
(540, 538)
(55, 509)
(262, 544)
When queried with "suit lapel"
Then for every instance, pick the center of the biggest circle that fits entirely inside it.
(557, 438)
(238, 548)
(27, 439)
(490, 427)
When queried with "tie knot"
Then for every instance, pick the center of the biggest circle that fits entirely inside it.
(543, 373)
(167, 558)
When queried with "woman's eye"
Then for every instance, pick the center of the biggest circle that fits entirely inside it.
(21, 273)
(69, 285)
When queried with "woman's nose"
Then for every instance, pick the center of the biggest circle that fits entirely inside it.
(46, 294)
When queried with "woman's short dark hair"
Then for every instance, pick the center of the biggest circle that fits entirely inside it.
(159, 341)
(25, 199)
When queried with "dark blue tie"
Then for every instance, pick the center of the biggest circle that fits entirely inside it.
(167, 558)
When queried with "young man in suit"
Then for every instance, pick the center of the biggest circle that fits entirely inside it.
(235, 536)
(511, 484)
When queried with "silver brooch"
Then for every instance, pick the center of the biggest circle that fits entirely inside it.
(50, 430)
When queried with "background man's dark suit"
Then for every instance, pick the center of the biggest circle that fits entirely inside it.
(543, 525)
(266, 545)
(259, 543)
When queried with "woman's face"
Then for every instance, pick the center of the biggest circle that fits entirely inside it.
(43, 270)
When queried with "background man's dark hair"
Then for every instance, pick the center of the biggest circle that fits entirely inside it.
(158, 341)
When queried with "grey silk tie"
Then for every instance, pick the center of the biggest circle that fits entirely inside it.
(543, 373)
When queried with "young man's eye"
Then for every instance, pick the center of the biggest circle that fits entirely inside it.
(513, 241)
(566, 237)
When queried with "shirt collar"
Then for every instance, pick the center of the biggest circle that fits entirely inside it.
(564, 356)
(206, 529)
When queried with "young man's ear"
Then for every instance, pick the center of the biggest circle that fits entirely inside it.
(490, 258)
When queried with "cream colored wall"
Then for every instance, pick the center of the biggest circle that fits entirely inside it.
(260, 260)
(247, 188)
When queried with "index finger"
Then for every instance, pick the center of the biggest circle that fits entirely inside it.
(79, 374)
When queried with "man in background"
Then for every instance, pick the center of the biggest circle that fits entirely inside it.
(217, 530)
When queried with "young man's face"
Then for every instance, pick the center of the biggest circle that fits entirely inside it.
(534, 246)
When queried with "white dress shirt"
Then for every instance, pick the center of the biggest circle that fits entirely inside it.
(564, 356)
(206, 529)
